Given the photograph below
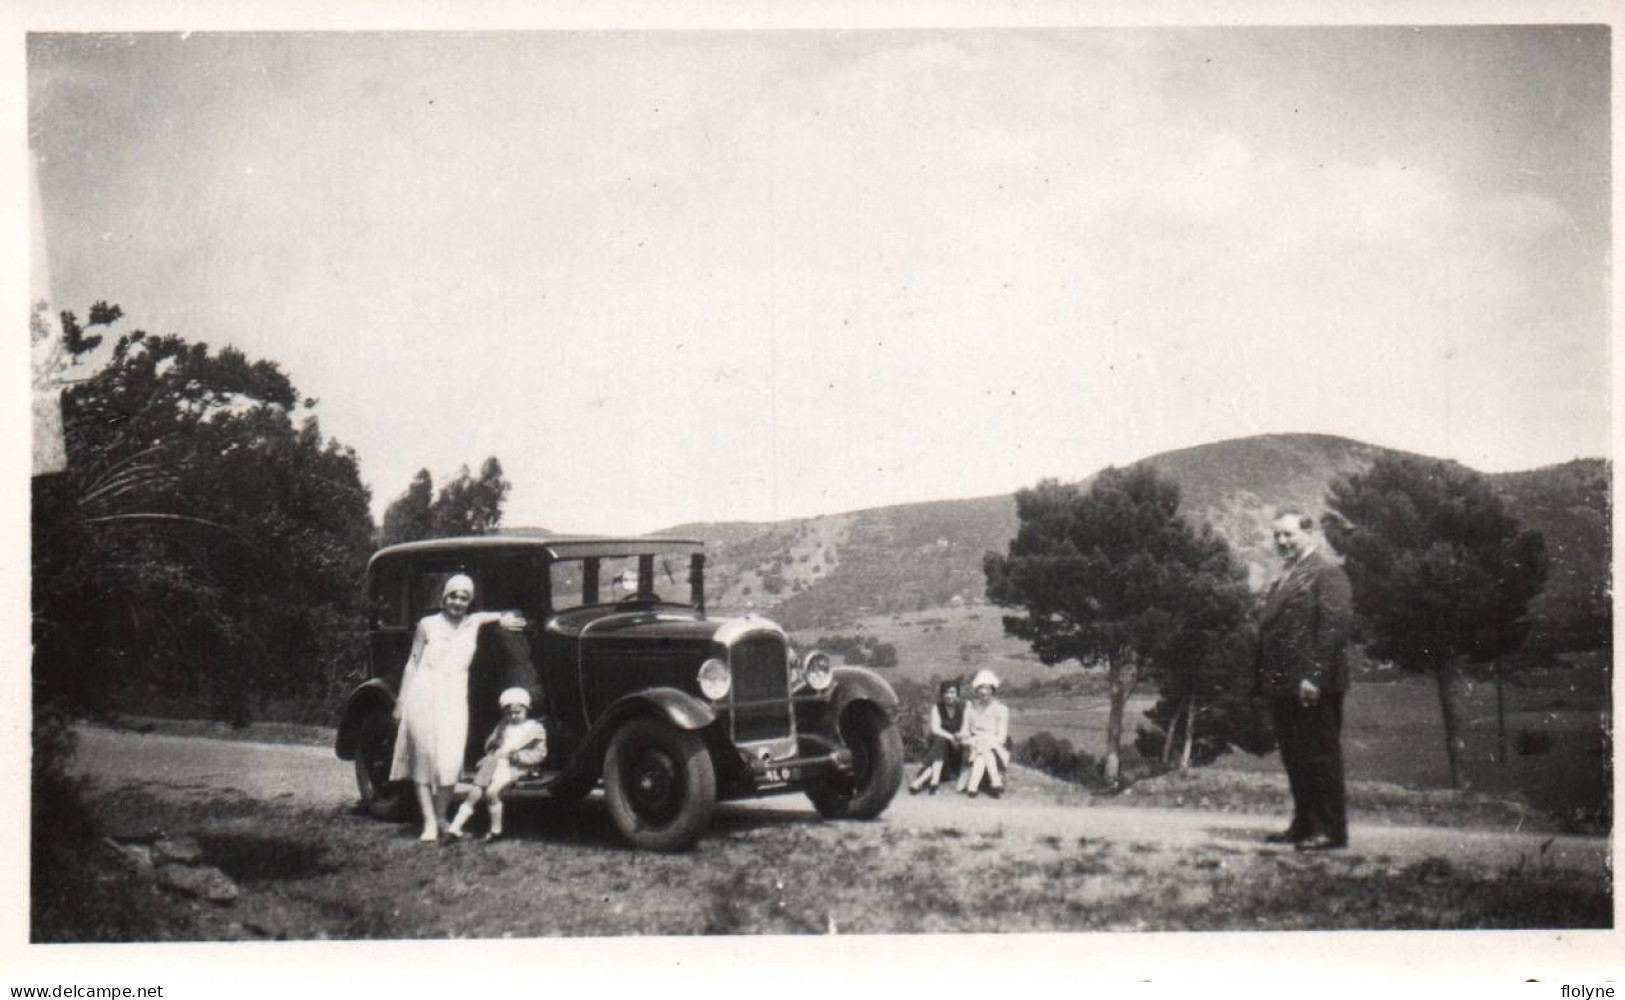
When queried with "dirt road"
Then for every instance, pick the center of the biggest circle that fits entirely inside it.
(312, 777)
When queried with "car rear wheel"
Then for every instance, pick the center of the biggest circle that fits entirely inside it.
(877, 767)
(375, 751)
(660, 785)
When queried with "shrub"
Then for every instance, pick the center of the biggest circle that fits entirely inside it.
(1056, 756)
(859, 650)
(972, 652)
(59, 820)
(914, 701)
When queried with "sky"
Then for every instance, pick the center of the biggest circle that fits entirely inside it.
(675, 276)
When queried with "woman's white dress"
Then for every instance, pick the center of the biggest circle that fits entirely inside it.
(986, 730)
(433, 735)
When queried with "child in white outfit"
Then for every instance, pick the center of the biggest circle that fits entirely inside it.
(518, 742)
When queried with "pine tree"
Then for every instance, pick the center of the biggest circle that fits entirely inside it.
(1113, 575)
(1441, 572)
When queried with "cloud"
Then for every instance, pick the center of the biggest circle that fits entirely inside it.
(969, 259)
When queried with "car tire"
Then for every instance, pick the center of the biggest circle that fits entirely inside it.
(877, 767)
(660, 785)
(375, 751)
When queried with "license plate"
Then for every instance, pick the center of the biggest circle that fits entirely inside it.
(781, 774)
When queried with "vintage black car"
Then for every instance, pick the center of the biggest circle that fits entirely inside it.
(671, 710)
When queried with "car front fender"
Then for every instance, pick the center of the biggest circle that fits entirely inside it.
(372, 696)
(857, 684)
(680, 708)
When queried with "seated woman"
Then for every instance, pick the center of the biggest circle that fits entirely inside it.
(943, 755)
(983, 734)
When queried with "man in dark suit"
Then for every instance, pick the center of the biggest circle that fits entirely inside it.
(1302, 634)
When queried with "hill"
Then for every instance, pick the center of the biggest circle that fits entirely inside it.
(840, 570)
(1570, 505)
(828, 569)
(1236, 486)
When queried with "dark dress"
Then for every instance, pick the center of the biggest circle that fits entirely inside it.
(946, 750)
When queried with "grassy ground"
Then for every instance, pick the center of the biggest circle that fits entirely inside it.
(256, 732)
(949, 641)
(1218, 790)
(312, 874)
(1556, 717)
(1392, 736)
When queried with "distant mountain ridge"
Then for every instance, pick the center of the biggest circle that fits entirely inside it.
(822, 571)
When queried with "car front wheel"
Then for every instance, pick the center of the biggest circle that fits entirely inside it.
(877, 767)
(375, 751)
(660, 785)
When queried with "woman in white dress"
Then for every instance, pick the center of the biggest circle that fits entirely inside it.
(983, 735)
(433, 706)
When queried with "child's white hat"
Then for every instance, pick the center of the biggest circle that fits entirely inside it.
(514, 696)
(985, 678)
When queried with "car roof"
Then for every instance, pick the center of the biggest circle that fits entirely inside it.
(556, 546)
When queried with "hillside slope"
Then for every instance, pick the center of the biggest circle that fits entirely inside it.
(823, 571)
(1569, 504)
(1238, 485)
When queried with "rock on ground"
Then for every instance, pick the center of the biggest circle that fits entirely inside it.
(199, 880)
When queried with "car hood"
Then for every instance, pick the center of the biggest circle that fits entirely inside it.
(652, 623)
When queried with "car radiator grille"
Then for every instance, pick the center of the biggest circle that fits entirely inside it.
(761, 689)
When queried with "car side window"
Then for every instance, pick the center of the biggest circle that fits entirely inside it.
(511, 582)
(567, 584)
(610, 579)
(388, 601)
(620, 578)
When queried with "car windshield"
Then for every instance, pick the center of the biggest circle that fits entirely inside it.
(616, 579)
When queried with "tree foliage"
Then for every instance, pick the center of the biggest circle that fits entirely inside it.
(1113, 575)
(1206, 709)
(411, 515)
(76, 338)
(1440, 570)
(471, 505)
(204, 542)
(859, 650)
(465, 505)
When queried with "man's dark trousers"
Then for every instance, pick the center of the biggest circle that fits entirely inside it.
(1310, 739)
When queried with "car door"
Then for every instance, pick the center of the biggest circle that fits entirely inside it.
(390, 622)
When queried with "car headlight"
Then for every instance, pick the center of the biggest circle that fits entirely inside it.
(715, 679)
(818, 671)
